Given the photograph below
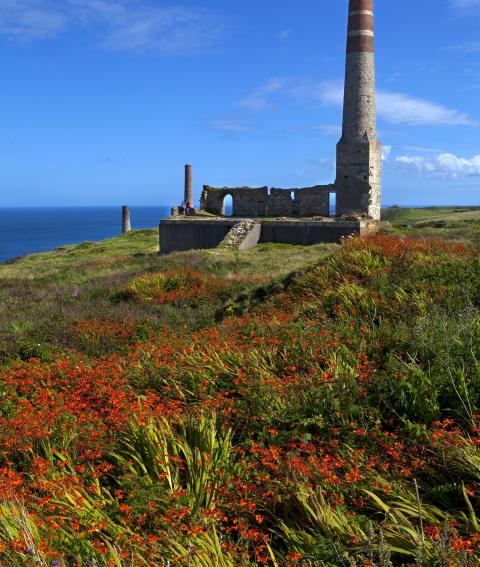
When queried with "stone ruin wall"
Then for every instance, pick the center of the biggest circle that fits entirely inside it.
(359, 171)
(262, 202)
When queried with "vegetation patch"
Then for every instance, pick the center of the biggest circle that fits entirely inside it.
(178, 287)
(185, 286)
(331, 419)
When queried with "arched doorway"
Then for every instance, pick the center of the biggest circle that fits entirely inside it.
(227, 208)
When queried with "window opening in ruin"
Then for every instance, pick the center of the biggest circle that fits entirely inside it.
(228, 206)
(292, 195)
(332, 204)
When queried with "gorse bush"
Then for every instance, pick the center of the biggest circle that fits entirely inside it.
(336, 423)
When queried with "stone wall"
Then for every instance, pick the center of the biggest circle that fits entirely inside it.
(308, 233)
(265, 202)
(181, 235)
(189, 234)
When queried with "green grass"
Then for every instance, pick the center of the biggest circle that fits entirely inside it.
(75, 260)
(139, 249)
(461, 224)
(43, 295)
(411, 216)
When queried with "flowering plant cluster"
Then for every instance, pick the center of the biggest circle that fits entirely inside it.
(335, 423)
(182, 286)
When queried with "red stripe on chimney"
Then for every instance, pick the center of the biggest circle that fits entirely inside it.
(360, 44)
(361, 5)
(360, 22)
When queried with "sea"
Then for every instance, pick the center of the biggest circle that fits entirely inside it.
(28, 230)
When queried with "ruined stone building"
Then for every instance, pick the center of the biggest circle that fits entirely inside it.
(265, 202)
(359, 163)
(357, 188)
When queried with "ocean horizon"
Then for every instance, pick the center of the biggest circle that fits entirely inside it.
(28, 230)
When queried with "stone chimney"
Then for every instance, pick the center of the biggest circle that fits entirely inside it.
(359, 155)
(126, 221)
(188, 185)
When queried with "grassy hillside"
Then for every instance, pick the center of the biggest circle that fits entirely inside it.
(43, 295)
(410, 216)
(213, 408)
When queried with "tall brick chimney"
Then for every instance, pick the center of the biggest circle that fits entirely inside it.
(359, 155)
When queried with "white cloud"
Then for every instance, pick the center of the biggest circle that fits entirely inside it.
(443, 165)
(123, 25)
(393, 107)
(467, 47)
(386, 151)
(329, 129)
(168, 30)
(324, 161)
(418, 163)
(234, 128)
(423, 150)
(259, 99)
(284, 35)
(400, 108)
(457, 165)
(462, 4)
(329, 92)
(315, 169)
(27, 20)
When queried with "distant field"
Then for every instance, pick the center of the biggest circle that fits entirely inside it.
(410, 216)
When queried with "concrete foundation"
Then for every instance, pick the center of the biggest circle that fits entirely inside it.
(193, 234)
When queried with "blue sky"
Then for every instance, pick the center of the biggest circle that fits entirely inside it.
(103, 101)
